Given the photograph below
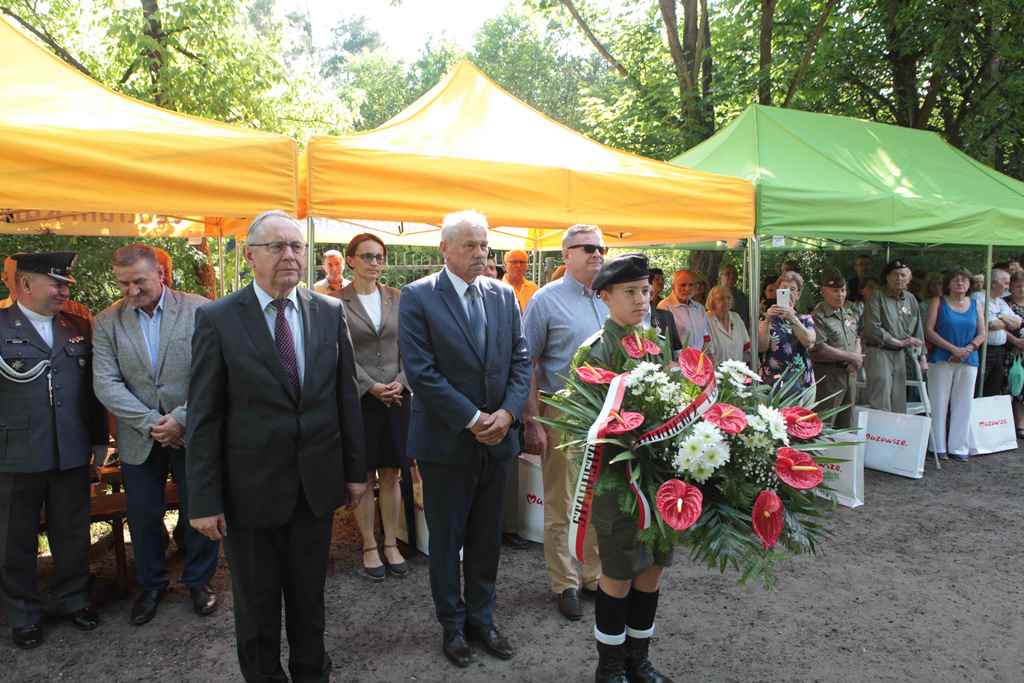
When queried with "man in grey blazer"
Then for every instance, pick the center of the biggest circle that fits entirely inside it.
(466, 361)
(141, 365)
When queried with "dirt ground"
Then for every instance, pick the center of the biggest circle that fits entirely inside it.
(922, 583)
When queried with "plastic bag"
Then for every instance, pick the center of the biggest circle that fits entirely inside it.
(1016, 377)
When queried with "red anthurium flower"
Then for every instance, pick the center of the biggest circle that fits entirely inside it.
(728, 418)
(620, 423)
(592, 375)
(797, 468)
(767, 517)
(802, 423)
(638, 346)
(651, 348)
(679, 504)
(697, 366)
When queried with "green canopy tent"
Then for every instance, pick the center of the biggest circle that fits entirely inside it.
(832, 177)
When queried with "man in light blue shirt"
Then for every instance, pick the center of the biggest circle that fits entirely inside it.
(691, 318)
(560, 317)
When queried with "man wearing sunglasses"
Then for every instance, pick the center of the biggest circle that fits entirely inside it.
(561, 316)
(516, 262)
(691, 319)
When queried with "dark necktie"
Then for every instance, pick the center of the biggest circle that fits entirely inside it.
(285, 344)
(476, 318)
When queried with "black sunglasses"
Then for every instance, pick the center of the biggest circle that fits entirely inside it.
(590, 248)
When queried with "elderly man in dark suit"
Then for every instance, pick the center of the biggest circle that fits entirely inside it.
(466, 361)
(51, 425)
(275, 445)
(141, 360)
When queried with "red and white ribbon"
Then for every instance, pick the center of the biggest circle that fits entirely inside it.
(590, 468)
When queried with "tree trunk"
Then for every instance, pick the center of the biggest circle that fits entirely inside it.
(706, 263)
(902, 64)
(707, 73)
(155, 57)
(764, 71)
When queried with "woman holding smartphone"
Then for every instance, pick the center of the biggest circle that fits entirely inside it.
(787, 337)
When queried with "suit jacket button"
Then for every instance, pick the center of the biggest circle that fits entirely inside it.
(59, 404)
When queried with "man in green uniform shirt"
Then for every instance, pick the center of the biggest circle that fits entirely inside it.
(836, 354)
(892, 331)
(627, 596)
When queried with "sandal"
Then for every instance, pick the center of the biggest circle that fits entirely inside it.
(375, 574)
(399, 570)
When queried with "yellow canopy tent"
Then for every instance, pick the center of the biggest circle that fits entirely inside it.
(467, 143)
(78, 158)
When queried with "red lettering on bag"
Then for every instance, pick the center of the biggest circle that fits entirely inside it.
(887, 440)
(534, 499)
(993, 423)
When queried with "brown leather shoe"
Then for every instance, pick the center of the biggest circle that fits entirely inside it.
(569, 604)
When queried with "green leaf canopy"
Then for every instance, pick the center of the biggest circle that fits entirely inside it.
(834, 177)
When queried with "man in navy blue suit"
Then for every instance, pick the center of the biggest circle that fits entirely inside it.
(466, 360)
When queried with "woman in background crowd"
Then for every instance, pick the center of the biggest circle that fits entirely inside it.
(955, 327)
(1016, 342)
(372, 311)
(768, 294)
(729, 337)
(787, 338)
(933, 287)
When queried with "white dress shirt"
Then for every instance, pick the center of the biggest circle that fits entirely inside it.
(42, 323)
(461, 286)
(291, 315)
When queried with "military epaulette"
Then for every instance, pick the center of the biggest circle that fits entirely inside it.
(592, 339)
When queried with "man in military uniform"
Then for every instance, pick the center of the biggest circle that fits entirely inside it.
(836, 354)
(627, 597)
(892, 330)
(50, 426)
(11, 269)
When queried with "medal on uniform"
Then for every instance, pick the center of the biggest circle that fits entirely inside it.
(18, 365)
(81, 362)
(17, 323)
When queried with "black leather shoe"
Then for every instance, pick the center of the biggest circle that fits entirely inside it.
(145, 606)
(494, 643)
(85, 619)
(514, 541)
(204, 600)
(27, 637)
(455, 649)
(569, 604)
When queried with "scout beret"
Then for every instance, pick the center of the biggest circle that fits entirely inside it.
(831, 277)
(56, 264)
(625, 268)
(895, 264)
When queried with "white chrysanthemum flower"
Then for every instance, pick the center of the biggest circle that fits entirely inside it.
(701, 472)
(707, 433)
(757, 423)
(690, 451)
(717, 455)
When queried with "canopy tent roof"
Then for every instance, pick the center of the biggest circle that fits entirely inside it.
(467, 143)
(819, 175)
(71, 146)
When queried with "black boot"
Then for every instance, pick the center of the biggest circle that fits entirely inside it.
(638, 666)
(611, 667)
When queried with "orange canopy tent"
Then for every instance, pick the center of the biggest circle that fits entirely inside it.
(77, 158)
(467, 143)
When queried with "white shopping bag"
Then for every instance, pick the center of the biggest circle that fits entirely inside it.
(895, 443)
(992, 425)
(845, 480)
(531, 498)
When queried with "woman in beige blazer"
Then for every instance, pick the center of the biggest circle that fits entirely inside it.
(372, 311)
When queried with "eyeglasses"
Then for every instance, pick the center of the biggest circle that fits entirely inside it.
(590, 248)
(277, 248)
(371, 258)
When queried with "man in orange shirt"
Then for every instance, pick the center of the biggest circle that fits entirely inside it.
(516, 262)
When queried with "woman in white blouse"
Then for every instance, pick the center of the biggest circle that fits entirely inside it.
(729, 337)
(372, 312)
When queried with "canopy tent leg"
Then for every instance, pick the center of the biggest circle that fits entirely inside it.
(754, 298)
(238, 264)
(221, 279)
(310, 251)
(888, 254)
(536, 261)
(984, 347)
